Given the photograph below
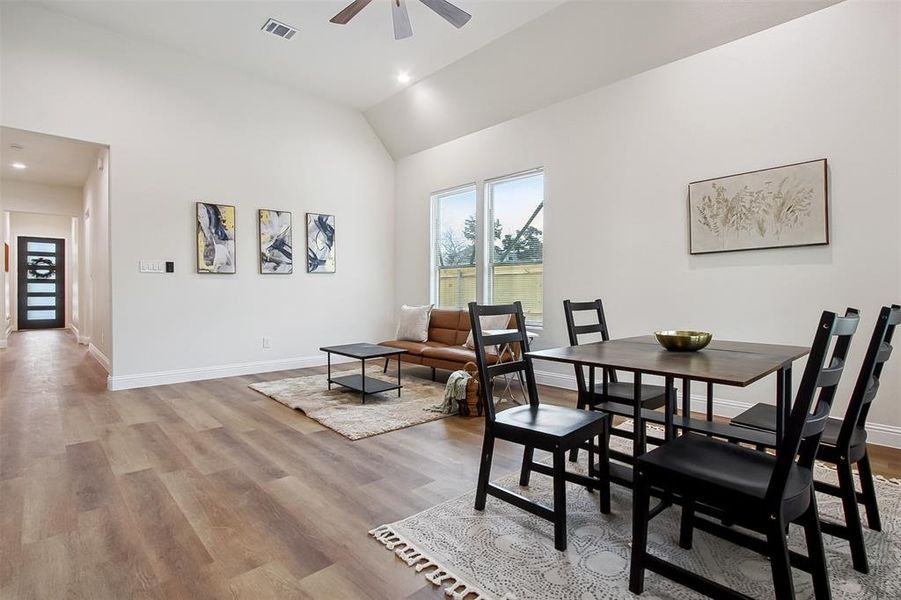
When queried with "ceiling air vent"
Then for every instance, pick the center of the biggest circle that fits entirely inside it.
(280, 29)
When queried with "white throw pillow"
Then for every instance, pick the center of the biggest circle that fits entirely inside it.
(414, 323)
(489, 322)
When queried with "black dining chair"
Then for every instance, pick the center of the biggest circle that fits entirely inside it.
(747, 487)
(554, 429)
(844, 441)
(611, 395)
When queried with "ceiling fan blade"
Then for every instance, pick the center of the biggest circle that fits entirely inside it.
(349, 12)
(402, 27)
(450, 13)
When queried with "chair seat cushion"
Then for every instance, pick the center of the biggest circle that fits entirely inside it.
(701, 464)
(763, 416)
(549, 421)
(652, 396)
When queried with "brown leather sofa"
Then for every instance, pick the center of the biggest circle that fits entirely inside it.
(448, 330)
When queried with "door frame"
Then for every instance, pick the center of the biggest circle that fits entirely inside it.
(22, 282)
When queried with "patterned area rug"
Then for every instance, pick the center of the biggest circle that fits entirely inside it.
(506, 553)
(340, 408)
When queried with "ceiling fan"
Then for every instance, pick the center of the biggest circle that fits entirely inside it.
(402, 27)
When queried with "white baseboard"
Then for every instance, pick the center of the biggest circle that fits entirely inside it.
(100, 357)
(139, 380)
(2, 343)
(81, 339)
(877, 433)
(884, 435)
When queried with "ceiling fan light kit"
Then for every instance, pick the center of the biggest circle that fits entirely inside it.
(401, 19)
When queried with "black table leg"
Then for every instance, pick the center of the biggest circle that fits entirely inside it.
(783, 400)
(638, 441)
(686, 398)
(398, 375)
(364, 380)
(329, 359)
(670, 405)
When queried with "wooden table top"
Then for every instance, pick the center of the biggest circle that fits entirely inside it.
(724, 362)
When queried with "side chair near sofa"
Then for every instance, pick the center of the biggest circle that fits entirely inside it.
(555, 429)
(610, 396)
(844, 441)
(748, 487)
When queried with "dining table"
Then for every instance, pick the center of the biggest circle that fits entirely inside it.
(728, 363)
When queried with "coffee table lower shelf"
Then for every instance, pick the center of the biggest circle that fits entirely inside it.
(372, 385)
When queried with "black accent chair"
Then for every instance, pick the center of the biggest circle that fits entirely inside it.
(844, 441)
(610, 396)
(554, 429)
(747, 487)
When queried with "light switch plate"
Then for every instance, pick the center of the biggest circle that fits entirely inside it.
(151, 266)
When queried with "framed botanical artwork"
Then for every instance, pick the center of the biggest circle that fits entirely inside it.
(276, 246)
(320, 243)
(770, 208)
(215, 238)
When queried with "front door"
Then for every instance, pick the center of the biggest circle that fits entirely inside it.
(42, 273)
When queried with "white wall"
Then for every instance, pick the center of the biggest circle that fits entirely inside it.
(25, 224)
(95, 295)
(618, 162)
(181, 130)
(4, 292)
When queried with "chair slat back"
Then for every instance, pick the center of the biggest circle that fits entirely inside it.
(813, 401)
(570, 309)
(518, 362)
(867, 386)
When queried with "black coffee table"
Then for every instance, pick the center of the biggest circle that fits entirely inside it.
(361, 383)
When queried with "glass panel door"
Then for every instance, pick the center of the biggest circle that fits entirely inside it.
(41, 279)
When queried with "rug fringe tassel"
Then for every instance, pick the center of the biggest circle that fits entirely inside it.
(433, 571)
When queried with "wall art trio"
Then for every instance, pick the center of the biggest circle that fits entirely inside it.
(216, 240)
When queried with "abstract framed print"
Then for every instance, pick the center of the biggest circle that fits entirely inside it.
(320, 243)
(276, 246)
(215, 238)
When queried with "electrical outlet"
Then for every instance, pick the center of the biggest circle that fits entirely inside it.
(267, 342)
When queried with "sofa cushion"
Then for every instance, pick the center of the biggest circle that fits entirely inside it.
(411, 347)
(457, 354)
(444, 325)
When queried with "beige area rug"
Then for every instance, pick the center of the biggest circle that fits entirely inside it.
(506, 553)
(340, 408)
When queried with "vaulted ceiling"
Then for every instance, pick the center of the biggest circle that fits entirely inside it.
(354, 64)
(513, 57)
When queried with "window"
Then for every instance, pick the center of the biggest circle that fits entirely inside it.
(516, 261)
(454, 247)
(498, 264)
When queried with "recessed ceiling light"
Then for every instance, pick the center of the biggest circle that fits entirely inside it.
(18, 165)
(403, 77)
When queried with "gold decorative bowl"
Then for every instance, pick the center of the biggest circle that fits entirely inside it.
(683, 341)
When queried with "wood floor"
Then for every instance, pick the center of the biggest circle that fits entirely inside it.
(209, 490)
